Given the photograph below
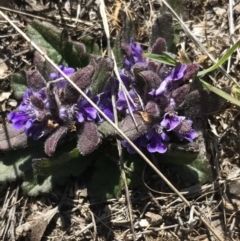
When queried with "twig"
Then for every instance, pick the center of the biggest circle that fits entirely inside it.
(23, 211)
(88, 23)
(160, 174)
(89, 3)
(94, 226)
(15, 55)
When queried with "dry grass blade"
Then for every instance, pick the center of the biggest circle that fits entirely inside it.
(112, 124)
(106, 29)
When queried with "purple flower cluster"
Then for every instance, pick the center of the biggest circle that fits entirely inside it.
(155, 91)
(45, 109)
(148, 105)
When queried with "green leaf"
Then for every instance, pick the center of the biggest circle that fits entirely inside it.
(11, 139)
(180, 154)
(220, 61)
(14, 164)
(106, 129)
(220, 93)
(64, 163)
(102, 73)
(136, 165)
(235, 90)
(34, 186)
(106, 179)
(91, 45)
(118, 52)
(191, 174)
(164, 58)
(65, 52)
(128, 30)
(19, 84)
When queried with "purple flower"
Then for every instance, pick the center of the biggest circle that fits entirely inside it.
(63, 113)
(185, 131)
(139, 142)
(190, 136)
(36, 129)
(121, 103)
(171, 120)
(134, 55)
(125, 79)
(84, 111)
(18, 119)
(103, 101)
(31, 114)
(176, 74)
(157, 138)
(66, 70)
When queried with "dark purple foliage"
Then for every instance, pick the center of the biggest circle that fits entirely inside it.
(159, 46)
(53, 140)
(35, 80)
(89, 138)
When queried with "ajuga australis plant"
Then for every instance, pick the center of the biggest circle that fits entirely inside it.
(55, 109)
(156, 91)
(156, 107)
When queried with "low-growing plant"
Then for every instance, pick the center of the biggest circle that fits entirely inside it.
(159, 105)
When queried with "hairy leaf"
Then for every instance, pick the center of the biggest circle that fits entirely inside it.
(163, 27)
(180, 94)
(64, 163)
(106, 129)
(117, 51)
(43, 66)
(151, 79)
(190, 71)
(19, 84)
(15, 164)
(34, 186)
(35, 80)
(152, 108)
(11, 139)
(132, 130)
(106, 180)
(190, 174)
(90, 45)
(104, 68)
(128, 31)
(202, 103)
(68, 53)
(82, 78)
(139, 67)
(180, 153)
(89, 138)
(53, 140)
(159, 46)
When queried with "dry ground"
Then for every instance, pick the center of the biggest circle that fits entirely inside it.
(157, 215)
